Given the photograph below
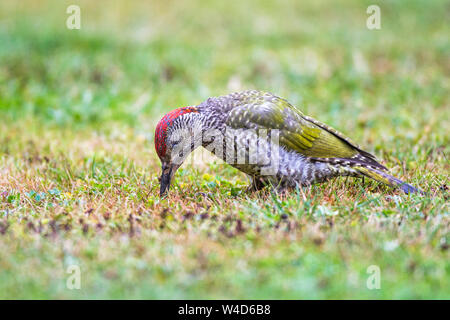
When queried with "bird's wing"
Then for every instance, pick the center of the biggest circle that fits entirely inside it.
(297, 132)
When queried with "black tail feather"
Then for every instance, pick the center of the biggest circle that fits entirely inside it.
(386, 178)
(405, 187)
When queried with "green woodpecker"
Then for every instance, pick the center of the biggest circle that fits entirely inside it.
(267, 138)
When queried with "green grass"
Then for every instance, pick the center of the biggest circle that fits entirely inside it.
(78, 172)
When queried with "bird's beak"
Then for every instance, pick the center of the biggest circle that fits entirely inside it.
(166, 178)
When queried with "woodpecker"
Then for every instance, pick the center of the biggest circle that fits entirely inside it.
(267, 138)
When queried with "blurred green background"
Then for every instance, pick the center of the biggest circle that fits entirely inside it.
(319, 55)
(77, 116)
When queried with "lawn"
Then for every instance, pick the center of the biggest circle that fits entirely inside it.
(79, 174)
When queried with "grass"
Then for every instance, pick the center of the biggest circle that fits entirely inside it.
(78, 172)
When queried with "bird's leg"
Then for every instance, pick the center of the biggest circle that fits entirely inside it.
(280, 189)
(256, 184)
(286, 188)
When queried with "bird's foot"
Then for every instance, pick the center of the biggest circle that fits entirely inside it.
(257, 184)
(280, 190)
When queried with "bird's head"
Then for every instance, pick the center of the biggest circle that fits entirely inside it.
(170, 137)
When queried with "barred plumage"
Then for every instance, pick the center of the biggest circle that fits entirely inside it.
(269, 139)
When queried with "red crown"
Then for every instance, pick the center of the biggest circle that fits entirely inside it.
(163, 124)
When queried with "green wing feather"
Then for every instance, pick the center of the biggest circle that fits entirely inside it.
(305, 135)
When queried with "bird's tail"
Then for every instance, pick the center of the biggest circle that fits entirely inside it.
(365, 165)
(383, 177)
